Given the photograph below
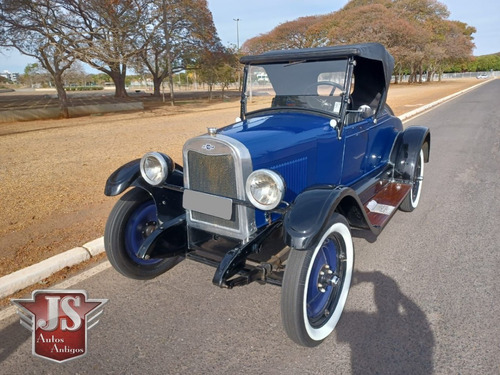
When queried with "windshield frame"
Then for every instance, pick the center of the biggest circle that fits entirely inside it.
(344, 99)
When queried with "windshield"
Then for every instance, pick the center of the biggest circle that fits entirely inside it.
(309, 85)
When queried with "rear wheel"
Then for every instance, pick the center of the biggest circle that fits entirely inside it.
(316, 284)
(131, 221)
(413, 197)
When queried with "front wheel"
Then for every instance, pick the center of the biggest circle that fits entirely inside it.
(131, 221)
(316, 284)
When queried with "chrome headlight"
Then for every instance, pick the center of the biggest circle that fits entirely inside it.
(265, 189)
(155, 168)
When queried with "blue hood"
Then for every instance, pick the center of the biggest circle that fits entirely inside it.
(278, 138)
(296, 145)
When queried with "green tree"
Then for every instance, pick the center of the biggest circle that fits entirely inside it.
(416, 32)
(104, 34)
(75, 75)
(292, 34)
(487, 62)
(217, 67)
(178, 31)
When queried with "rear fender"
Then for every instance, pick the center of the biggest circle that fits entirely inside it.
(406, 149)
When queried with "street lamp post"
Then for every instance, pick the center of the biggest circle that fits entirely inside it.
(237, 20)
(237, 32)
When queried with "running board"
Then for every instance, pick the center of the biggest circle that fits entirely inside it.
(383, 205)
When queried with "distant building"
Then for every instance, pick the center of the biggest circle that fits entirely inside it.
(13, 77)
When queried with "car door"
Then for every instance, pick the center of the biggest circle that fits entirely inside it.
(367, 147)
(356, 137)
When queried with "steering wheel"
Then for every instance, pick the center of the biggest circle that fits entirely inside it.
(321, 101)
(314, 87)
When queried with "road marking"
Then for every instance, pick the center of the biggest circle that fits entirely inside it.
(9, 311)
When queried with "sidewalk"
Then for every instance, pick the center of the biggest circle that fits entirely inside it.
(19, 106)
(25, 277)
(27, 105)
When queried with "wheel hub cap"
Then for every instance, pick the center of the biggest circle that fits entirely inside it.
(326, 278)
(148, 229)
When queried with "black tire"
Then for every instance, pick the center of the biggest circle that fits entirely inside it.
(312, 297)
(413, 197)
(132, 218)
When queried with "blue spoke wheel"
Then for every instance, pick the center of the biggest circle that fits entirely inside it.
(131, 221)
(316, 284)
(141, 223)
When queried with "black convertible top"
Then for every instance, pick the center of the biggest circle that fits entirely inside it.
(369, 51)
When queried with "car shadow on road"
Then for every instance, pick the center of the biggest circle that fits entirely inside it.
(396, 339)
(12, 337)
(365, 234)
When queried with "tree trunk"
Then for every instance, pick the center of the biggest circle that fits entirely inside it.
(171, 88)
(169, 56)
(118, 75)
(430, 75)
(420, 73)
(157, 85)
(61, 95)
(170, 79)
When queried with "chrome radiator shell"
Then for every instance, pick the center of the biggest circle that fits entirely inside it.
(219, 165)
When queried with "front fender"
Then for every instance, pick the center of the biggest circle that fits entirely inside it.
(122, 178)
(406, 149)
(167, 241)
(170, 238)
(130, 175)
(312, 211)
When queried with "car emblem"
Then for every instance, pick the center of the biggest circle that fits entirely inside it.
(208, 147)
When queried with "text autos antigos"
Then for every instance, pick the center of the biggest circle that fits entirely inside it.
(59, 321)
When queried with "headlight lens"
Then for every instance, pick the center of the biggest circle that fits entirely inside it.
(155, 168)
(265, 189)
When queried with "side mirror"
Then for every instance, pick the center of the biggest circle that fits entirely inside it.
(365, 111)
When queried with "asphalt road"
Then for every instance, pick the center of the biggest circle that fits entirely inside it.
(424, 298)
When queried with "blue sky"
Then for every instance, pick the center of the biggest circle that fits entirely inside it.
(260, 16)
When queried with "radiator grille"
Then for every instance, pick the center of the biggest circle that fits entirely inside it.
(213, 174)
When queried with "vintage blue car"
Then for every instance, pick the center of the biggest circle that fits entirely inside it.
(273, 198)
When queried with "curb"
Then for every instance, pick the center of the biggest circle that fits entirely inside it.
(25, 277)
(406, 116)
(54, 112)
